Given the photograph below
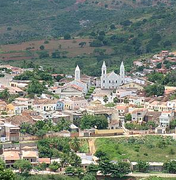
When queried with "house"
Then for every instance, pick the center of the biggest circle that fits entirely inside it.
(46, 161)
(133, 85)
(9, 132)
(157, 106)
(126, 92)
(15, 108)
(24, 101)
(31, 156)
(152, 116)
(19, 83)
(138, 114)
(3, 106)
(60, 105)
(10, 157)
(70, 90)
(87, 159)
(153, 166)
(16, 90)
(32, 115)
(44, 105)
(122, 111)
(75, 103)
(136, 100)
(138, 63)
(171, 104)
(165, 118)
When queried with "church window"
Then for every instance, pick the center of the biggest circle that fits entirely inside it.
(116, 81)
(103, 81)
(103, 71)
(109, 81)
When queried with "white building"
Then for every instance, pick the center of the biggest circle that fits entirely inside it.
(78, 81)
(112, 80)
(165, 118)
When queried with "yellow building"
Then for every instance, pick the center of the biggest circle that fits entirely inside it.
(108, 132)
(134, 85)
(10, 109)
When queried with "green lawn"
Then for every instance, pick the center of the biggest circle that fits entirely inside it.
(148, 148)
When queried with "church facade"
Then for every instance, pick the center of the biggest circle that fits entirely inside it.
(112, 80)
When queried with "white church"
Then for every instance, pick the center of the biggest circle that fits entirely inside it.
(112, 80)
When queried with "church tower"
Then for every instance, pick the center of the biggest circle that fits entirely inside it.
(103, 75)
(77, 74)
(122, 73)
(103, 69)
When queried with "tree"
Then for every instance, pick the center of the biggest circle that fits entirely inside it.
(55, 54)
(23, 165)
(67, 36)
(89, 176)
(120, 169)
(173, 124)
(100, 154)
(35, 87)
(112, 26)
(74, 160)
(82, 44)
(59, 77)
(142, 166)
(92, 169)
(155, 89)
(75, 144)
(105, 166)
(105, 98)
(128, 117)
(6, 174)
(90, 121)
(42, 47)
(41, 133)
(4, 94)
(54, 166)
(70, 170)
(115, 100)
(170, 167)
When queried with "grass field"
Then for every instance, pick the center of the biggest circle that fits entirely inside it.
(149, 148)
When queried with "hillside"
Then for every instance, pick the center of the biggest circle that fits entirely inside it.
(113, 30)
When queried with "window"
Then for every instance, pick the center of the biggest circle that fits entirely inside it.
(109, 81)
(103, 81)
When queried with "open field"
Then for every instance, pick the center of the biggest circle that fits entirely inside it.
(10, 52)
(148, 148)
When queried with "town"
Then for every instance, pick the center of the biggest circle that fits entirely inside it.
(37, 106)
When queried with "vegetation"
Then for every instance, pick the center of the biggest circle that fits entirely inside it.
(147, 149)
(142, 166)
(6, 96)
(158, 78)
(155, 89)
(143, 126)
(61, 148)
(170, 167)
(24, 166)
(6, 174)
(40, 128)
(120, 38)
(46, 177)
(90, 121)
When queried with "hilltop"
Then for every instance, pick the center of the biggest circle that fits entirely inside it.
(112, 30)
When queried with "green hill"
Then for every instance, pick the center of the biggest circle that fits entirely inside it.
(122, 30)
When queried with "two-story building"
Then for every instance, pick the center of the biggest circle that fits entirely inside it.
(165, 118)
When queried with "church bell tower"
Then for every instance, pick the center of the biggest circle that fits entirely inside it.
(122, 73)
